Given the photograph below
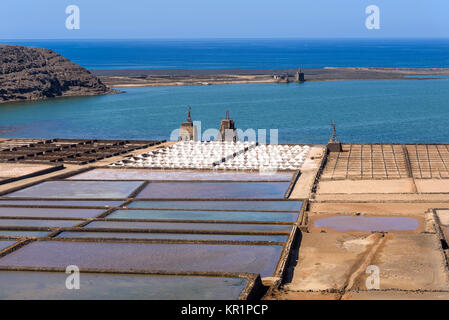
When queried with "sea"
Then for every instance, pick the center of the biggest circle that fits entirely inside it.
(410, 111)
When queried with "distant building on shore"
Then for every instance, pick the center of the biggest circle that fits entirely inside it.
(187, 131)
(227, 129)
(299, 76)
(282, 78)
(285, 78)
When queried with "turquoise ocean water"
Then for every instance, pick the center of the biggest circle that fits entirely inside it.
(365, 111)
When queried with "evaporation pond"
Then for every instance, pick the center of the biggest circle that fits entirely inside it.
(222, 205)
(361, 223)
(140, 174)
(5, 244)
(49, 212)
(172, 236)
(204, 215)
(79, 189)
(188, 226)
(211, 190)
(73, 203)
(19, 285)
(19, 233)
(261, 259)
(37, 223)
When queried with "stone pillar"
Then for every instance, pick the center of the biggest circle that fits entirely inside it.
(187, 131)
(334, 145)
(227, 129)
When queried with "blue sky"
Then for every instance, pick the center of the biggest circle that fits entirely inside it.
(45, 19)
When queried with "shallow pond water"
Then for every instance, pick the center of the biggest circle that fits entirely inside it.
(37, 223)
(19, 233)
(188, 226)
(211, 190)
(172, 236)
(204, 215)
(5, 244)
(174, 257)
(49, 212)
(223, 205)
(79, 189)
(80, 203)
(21, 285)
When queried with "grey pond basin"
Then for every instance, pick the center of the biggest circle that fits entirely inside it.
(20, 285)
(49, 212)
(5, 244)
(361, 223)
(204, 215)
(18, 233)
(214, 190)
(172, 236)
(222, 205)
(38, 223)
(188, 226)
(261, 259)
(136, 174)
(49, 203)
(79, 189)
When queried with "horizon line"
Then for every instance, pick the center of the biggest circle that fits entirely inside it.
(231, 38)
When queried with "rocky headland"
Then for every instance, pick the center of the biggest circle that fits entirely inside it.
(28, 73)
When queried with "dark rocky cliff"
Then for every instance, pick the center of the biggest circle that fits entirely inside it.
(28, 73)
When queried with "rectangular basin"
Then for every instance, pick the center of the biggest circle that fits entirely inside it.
(79, 189)
(38, 223)
(223, 205)
(124, 256)
(5, 244)
(204, 215)
(214, 190)
(19, 233)
(172, 236)
(49, 212)
(188, 226)
(27, 285)
(75, 203)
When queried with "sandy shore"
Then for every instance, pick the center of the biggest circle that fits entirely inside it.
(180, 77)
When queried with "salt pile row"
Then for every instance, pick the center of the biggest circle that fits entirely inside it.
(221, 155)
(188, 154)
(269, 157)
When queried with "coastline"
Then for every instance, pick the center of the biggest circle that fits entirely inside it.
(180, 77)
(175, 84)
